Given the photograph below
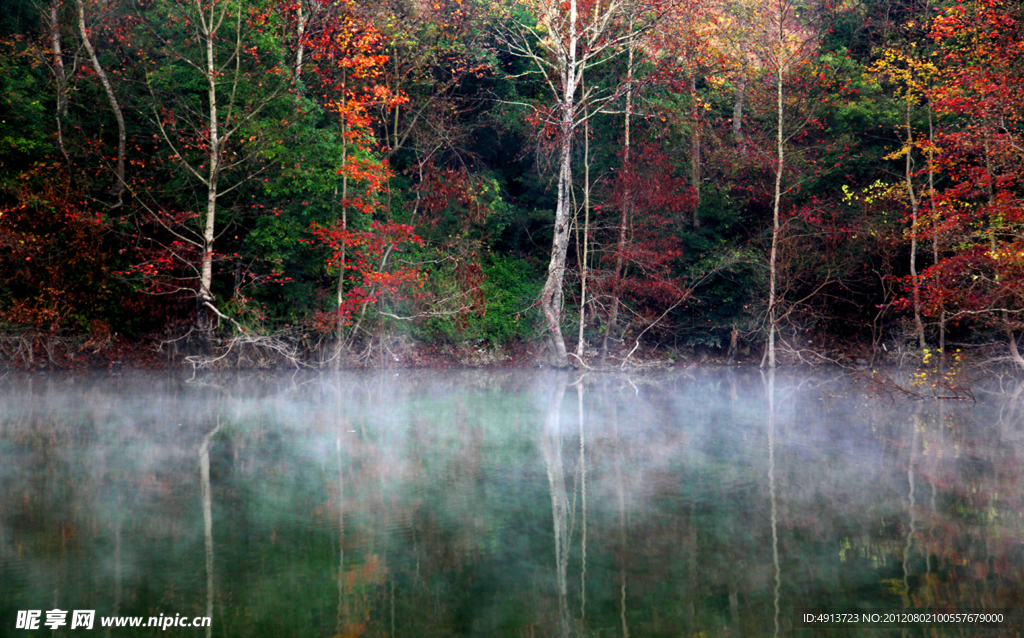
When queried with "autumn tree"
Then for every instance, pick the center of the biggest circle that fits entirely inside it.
(213, 71)
(677, 39)
(911, 74)
(561, 41)
(346, 61)
(782, 38)
(981, 64)
(645, 264)
(435, 52)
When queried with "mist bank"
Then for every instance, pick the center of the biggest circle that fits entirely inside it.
(499, 503)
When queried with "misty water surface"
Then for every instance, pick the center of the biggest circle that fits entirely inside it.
(504, 503)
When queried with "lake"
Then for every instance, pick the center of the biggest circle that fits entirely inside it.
(703, 502)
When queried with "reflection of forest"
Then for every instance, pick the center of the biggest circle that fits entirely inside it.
(505, 504)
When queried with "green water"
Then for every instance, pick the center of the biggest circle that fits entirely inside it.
(520, 504)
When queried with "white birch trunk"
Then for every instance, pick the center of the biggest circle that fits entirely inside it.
(208, 25)
(115, 106)
(551, 293)
(301, 19)
(737, 112)
(59, 74)
(935, 227)
(776, 208)
(916, 284)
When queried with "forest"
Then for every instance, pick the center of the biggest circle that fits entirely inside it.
(337, 183)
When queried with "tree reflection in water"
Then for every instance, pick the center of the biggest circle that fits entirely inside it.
(772, 490)
(711, 502)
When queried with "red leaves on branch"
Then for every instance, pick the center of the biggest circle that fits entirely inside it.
(51, 268)
(979, 215)
(660, 203)
(982, 50)
(346, 67)
(366, 257)
(442, 189)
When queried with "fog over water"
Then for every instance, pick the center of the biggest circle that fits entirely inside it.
(711, 502)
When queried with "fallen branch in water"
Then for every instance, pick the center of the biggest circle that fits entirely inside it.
(883, 384)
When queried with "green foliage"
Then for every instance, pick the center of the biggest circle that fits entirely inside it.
(24, 109)
(510, 288)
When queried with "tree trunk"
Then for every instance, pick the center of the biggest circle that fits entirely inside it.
(301, 19)
(1012, 342)
(56, 49)
(551, 293)
(211, 72)
(613, 312)
(339, 318)
(695, 151)
(935, 231)
(114, 104)
(916, 286)
(586, 232)
(737, 112)
(776, 232)
(59, 74)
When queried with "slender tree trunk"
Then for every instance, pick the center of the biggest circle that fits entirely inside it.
(394, 124)
(339, 326)
(209, 26)
(916, 286)
(59, 74)
(301, 19)
(586, 231)
(57, 50)
(115, 106)
(551, 293)
(620, 247)
(695, 151)
(935, 231)
(737, 112)
(776, 209)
